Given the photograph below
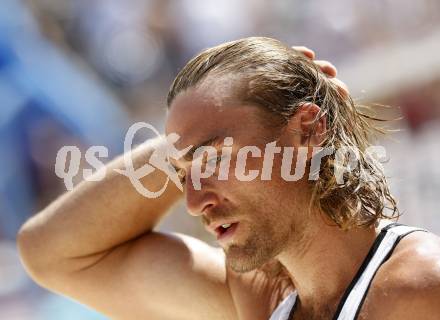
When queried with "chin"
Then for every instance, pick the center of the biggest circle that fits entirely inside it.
(243, 259)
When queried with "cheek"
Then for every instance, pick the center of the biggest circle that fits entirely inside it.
(269, 194)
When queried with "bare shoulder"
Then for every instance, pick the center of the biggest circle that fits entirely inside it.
(414, 264)
(407, 286)
(257, 293)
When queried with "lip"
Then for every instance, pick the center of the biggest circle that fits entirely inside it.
(226, 236)
(223, 236)
(213, 227)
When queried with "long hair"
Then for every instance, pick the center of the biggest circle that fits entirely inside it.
(280, 79)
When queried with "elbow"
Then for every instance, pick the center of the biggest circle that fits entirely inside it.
(40, 259)
(31, 254)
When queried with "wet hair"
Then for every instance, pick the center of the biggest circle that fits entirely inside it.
(280, 79)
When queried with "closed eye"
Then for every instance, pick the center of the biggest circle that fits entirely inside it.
(182, 174)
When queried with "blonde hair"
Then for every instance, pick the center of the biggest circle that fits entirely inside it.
(280, 79)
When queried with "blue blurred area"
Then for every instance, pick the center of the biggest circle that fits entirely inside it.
(41, 86)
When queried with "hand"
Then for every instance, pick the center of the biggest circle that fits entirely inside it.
(326, 67)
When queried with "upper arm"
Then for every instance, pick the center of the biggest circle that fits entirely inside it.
(408, 285)
(157, 276)
(407, 304)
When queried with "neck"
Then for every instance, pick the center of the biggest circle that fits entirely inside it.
(328, 260)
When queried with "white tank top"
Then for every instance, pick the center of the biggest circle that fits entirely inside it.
(354, 296)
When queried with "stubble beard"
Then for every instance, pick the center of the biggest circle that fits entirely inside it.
(263, 244)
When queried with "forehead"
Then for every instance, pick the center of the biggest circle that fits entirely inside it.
(199, 114)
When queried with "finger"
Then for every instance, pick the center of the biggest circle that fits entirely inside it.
(326, 67)
(305, 51)
(342, 87)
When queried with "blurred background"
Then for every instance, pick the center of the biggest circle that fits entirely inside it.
(80, 72)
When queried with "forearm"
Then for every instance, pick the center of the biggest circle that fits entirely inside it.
(97, 216)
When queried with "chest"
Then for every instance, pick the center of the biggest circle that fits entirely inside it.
(366, 310)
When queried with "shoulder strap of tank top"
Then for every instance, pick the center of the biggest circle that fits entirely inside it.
(380, 251)
(285, 308)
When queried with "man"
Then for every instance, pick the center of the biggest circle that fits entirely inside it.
(305, 249)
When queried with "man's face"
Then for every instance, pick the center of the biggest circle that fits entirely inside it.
(264, 215)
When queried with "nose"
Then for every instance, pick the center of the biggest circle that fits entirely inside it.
(198, 201)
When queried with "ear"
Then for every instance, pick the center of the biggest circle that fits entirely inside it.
(309, 125)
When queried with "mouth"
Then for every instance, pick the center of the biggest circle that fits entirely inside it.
(226, 231)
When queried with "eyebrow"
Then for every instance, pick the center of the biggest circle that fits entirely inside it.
(214, 141)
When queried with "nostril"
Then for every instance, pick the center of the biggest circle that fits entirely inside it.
(208, 206)
(199, 202)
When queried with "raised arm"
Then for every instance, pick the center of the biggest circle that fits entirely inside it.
(96, 244)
